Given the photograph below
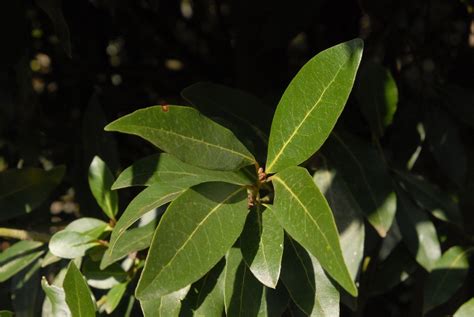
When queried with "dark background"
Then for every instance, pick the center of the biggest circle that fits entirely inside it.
(63, 76)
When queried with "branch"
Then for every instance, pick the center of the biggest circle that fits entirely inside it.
(24, 235)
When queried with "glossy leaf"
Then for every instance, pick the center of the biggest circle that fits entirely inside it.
(242, 291)
(305, 214)
(418, 232)
(367, 178)
(192, 236)
(188, 135)
(149, 199)
(262, 246)
(448, 275)
(347, 214)
(466, 310)
(55, 304)
(431, 198)
(130, 241)
(78, 294)
(17, 257)
(164, 168)
(311, 105)
(166, 306)
(23, 190)
(377, 94)
(100, 182)
(307, 284)
(113, 297)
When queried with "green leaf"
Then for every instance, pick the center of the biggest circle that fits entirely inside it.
(23, 190)
(262, 245)
(187, 245)
(311, 105)
(165, 169)
(418, 232)
(377, 94)
(113, 297)
(242, 291)
(429, 197)
(26, 292)
(6, 313)
(448, 275)
(78, 295)
(307, 284)
(274, 301)
(100, 182)
(367, 178)
(149, 199)
(166, 306)
(347, 214)
(466, 310)
(78, 237)
(17, 257)
(53, 9)
(206, 297)
(130, 241)
(55, 304)
(102, 279)
(305, 214)
(188, 135)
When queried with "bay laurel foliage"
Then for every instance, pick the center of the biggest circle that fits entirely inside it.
(226, 226)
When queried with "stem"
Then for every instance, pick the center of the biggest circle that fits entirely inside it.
(24, 235)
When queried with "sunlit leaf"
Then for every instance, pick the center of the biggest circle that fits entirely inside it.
(166, 306)
(311, 105)
(17, 257)
(56, 301)
(466, 310)
(78, 295)
(100, 182)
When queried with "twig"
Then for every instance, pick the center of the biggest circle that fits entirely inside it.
(24, 235)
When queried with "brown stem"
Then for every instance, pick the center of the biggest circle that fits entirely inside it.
(24, 235)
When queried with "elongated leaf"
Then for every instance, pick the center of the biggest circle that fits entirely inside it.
(78, 294)
(418, 232)
(17, 257)
(206, 297)
(192, 236)
(431, 198)
(55, 303)
(130, 241)
(215, 99)
(100, 182)
(448, 275)
(367, 178)
(377, 95)
(165, 169)
(274, 301)
(242, 291)
(102, 279)
(466, 310)
(348, 216)
(167, 305)
(26, 291)
(188, 135)
(307, 283)
(262, 246)
(23, 190)
(311, 105)
(113, 297)
(305, 214)
(149, 199)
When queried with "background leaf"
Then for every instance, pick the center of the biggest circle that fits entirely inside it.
(466, 310)
(311, 105)
(78, 295)
(305, 214)
(100, 183)
(185, 248)
(370, 182)
(377, 94)
(262, 245)
(188, 135)
(17, 257)
(23, 190)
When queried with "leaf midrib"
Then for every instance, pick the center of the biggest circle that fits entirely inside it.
(251, 159)
(314, 221)
(285, 144)
(199, 225)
